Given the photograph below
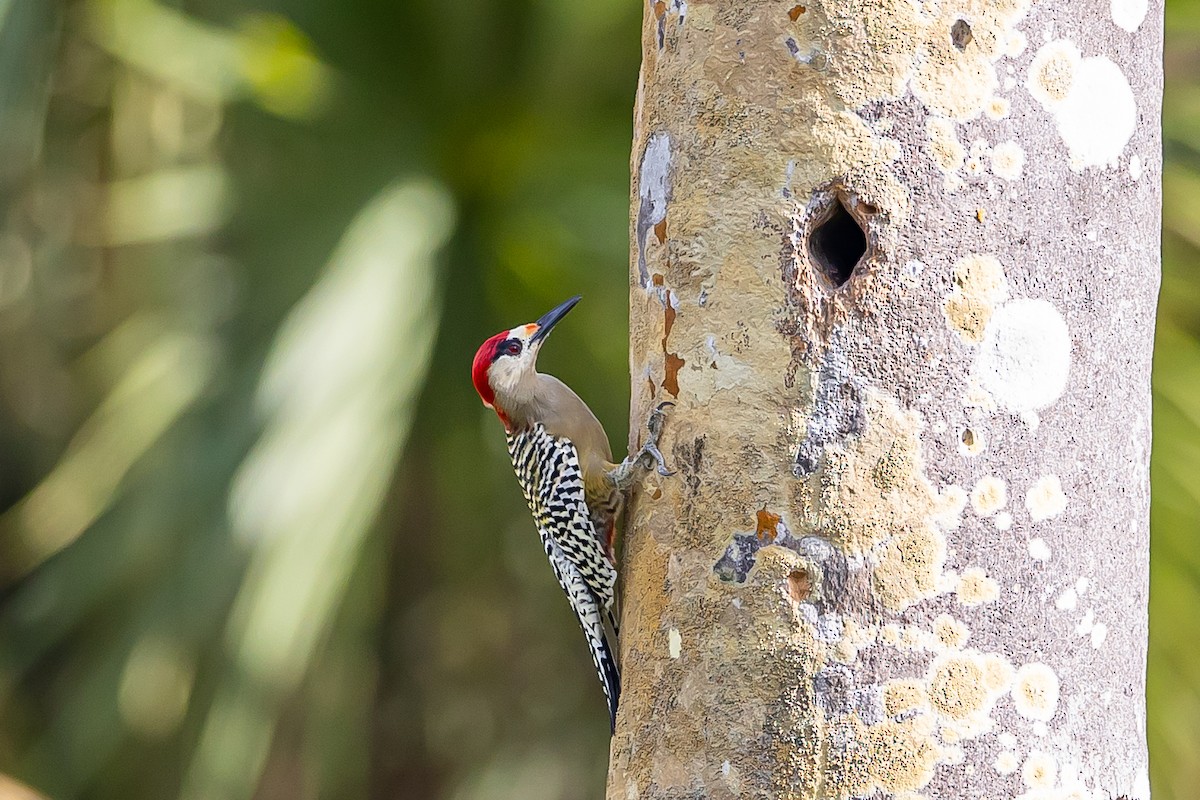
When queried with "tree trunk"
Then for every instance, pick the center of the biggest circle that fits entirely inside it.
(896, 264)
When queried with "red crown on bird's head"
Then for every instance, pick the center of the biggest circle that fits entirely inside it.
(484, 357)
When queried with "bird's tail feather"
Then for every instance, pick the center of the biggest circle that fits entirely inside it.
(606, 666)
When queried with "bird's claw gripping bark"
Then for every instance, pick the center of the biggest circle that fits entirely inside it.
(650, 449)
(649, 457)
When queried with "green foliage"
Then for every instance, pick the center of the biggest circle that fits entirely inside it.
(259, 537)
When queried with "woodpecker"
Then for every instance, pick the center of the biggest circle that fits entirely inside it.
(563, 462)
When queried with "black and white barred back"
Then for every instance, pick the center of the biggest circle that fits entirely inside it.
(548, 470)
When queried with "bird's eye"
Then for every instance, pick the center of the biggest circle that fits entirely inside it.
(513, 348)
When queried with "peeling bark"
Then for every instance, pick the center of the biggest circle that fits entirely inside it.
(896, 263)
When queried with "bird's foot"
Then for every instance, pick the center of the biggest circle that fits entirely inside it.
(634, 467)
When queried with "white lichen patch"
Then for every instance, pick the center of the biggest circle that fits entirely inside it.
(948, 507)
(674, 643)
(1006, 762)
(1135, 167)
(1039, 550)
(1040, 770)
(656, 163)
(989, 495)
(1035, 692)
(1093, 106)
(943, 145)
(1016, 43)
(1098, 635)
(997, 108)
(1128, 14)
(1025, 356)
(997, 673)
(1008, 159)
(975, 587)
(1067, 600)
(953, 756)
(975, 166)
(1045, 499)
(1003, 521)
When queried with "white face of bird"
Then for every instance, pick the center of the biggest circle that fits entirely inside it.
(511, 374)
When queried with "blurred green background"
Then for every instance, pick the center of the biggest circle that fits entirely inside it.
(259, 538)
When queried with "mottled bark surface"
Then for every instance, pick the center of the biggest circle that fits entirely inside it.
(906, 549)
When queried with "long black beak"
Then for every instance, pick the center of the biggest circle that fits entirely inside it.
(551, 318)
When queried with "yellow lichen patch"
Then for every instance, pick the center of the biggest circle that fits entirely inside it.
(873, 49)
(979, 285)
(899, 529)
(845, 143)
(989, 495)
(958, 81)
(1045, 499)
(968, 316)
(975, 587)
(956, 687)
(945, 149)
(1053, 71)
(893, 469)
(951, 82)
(904, 695)
(915, 639)
(1008, 159)
(1035, 692)
(950, 632)
(1039, 771)
(905, 755)
(981, 275)
(890, 757)
(909, 567)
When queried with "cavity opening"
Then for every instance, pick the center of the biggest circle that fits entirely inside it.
(837, 244)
